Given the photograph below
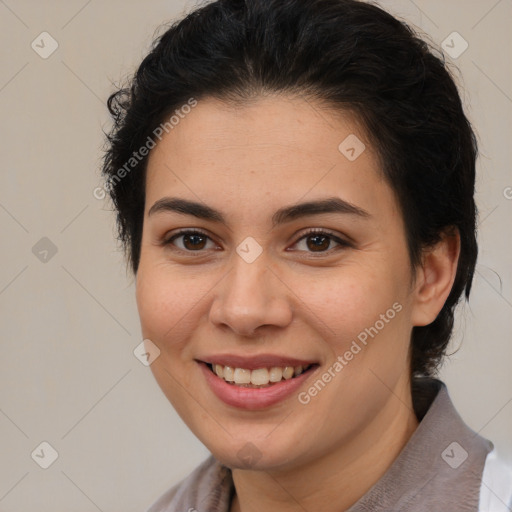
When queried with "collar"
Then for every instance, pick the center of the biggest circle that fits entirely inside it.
(440, 467)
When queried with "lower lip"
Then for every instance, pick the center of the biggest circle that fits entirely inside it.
(253, 398)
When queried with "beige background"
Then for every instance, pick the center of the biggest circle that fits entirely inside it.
(69, 325)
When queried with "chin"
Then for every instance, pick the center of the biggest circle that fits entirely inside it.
(249, 455)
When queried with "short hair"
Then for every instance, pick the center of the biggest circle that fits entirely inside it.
(348, 54)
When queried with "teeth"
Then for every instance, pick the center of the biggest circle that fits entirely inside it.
(288, 372)
(276, 374)
(259, 377)
(228, 373)
(242, 376)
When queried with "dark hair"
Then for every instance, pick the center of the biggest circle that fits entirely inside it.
(348, 54)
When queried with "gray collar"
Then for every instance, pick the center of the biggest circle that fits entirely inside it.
(439, 469)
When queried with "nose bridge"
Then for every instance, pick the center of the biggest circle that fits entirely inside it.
(249, 297)
(248, 274)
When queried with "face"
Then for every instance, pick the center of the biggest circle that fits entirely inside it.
(265, 246)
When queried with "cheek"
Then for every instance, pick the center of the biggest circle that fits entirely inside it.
(347, 300)
(165, 304)
(166, 311)
(361, 315)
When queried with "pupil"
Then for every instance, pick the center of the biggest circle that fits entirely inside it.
(321, 242)
(193, 240)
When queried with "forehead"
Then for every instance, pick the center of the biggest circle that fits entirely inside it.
(294, 123)
(280, 148)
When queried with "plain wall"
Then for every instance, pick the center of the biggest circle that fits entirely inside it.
(69, 325)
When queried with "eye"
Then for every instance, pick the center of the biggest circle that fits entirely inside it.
(319, 241)
(190, 241)
(315, 240)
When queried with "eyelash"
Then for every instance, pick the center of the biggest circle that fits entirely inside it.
(312, 231)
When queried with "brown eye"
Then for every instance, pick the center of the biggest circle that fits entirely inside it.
(194, 242)
(318, 242)
(191, 241)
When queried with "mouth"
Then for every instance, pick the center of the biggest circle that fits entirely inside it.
(258, 378)
(255, 382)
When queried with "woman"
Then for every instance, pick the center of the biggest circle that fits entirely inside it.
(294, 186)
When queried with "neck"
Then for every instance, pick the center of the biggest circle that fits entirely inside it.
(338, 479)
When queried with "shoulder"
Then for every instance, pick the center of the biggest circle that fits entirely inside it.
(210, 482)
(496, 487)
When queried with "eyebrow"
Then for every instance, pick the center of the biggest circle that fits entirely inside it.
(285, 214)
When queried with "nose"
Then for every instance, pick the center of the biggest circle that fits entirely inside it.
(251, 297)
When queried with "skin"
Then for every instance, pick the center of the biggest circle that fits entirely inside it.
(247, 162)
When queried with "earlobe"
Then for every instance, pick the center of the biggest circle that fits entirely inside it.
(435, 277)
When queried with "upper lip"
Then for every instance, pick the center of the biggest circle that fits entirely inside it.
(255, 362)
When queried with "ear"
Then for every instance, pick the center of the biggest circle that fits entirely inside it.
(435, 277)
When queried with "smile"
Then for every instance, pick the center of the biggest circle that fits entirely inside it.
(255, 383)
(258, 378)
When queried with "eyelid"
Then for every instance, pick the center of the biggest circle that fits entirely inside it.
(168, 239)
(185, 231)
(341, 241)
